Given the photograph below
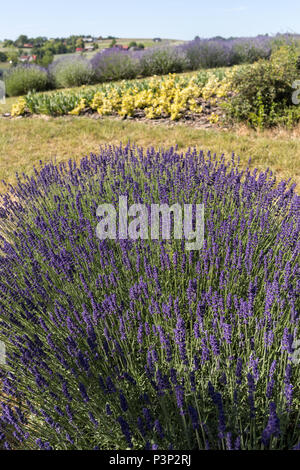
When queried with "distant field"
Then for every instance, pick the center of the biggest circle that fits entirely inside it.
(103, 44)
(147, 42)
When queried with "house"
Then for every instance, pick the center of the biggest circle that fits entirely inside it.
(135, 48)
(89, 48)
(156, 39)
(28, 46)
(79, 49)
(27, 58)
(121, 47)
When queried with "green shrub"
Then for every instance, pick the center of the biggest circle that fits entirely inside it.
(113, 64)
(3, 57)
(162, 61)
(24, 78)
(263, 91)
(70, 72)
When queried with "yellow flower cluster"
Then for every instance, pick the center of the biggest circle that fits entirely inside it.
(171, 97)
(18, 109)
(105, 102)
(216, 88)
(214, 118)
(79, 108)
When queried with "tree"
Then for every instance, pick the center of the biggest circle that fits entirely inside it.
(22, 39)
(12, 57)
(113, 42)
(8, 43)
(80, 43)
(39, 41)
(46, 59)
(60, 48)
(3, 57)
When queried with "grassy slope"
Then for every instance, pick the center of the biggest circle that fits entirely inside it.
(23, 142)
(6, 108)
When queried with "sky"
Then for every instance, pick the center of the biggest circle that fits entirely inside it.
(172, 19)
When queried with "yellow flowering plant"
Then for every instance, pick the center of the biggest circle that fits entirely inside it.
(19, 108)
(172, 96)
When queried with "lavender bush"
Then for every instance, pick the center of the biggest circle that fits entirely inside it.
(71, 71)
(160, 61)
(115, 64)
(207, 53)
(121, 344)
(21, 79)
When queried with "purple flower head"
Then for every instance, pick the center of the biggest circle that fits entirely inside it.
(123, 401)
(159, 429)
(83, 392)
(273, 426)
(194, 416)
(179, 333)
(180, 398)
(125, 430)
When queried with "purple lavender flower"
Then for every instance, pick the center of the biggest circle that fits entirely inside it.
(194, 416)
(214, 345)
(159, 429)
(83, 392)
(273, 426)
(179, 334)
(125, 430)
(238, 372)
(123, 401)
(180, 398)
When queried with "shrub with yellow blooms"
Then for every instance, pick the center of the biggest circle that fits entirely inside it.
(79, 108)
(19, 108)
(173, 96)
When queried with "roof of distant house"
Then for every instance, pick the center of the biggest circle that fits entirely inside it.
(120, 46)
(28, 58)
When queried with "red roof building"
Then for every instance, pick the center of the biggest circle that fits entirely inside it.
(121, 47)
